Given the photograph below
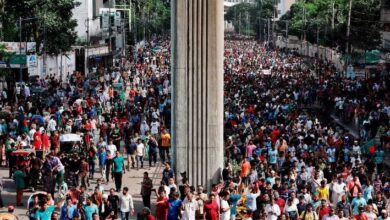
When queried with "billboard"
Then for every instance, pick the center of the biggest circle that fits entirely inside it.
(19, 47)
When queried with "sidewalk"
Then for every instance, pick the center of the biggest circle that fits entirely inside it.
(130, 179)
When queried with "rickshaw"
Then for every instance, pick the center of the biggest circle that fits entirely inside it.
(42, 198)
(21, 157)
(69, 141)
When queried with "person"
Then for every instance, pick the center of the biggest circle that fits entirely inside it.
(167, 173)
(234, 198)
(361, 215)
(102, 154)
(35, 167)
(44, 212)
(384, 215)
(118, 169)
(345, 206)
(152, 143)
(357, 202)
(140, 152)
(89, 209)
(189, 207)
(68, 210)
(146, 189)
(104, 208)
(131, 148)
(57, 167)
(147, 214)
(211, 208)
(272, 210)
(309, 214)
(225, 212)
(174, 207)
(126, 205)
(165, 146)
(291, 209)
(330, 215)
(113, 200)
(18, 177)
(111, 151)
(161, 205)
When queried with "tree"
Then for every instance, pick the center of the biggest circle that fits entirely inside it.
(365, 24)
(329, 18)
(52, 20)
(250, 18)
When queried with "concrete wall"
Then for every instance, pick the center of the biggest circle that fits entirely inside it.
(86, 11)
(307, 49)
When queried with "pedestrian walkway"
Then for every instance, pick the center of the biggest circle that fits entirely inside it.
(351, 129)
(131, 179)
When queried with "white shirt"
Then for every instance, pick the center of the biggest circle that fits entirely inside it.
(190, 208)
(111, 149)
(272, 211)
(140, 149)
(126, 203)
(52, 125)
(225, 215)
(155, 125)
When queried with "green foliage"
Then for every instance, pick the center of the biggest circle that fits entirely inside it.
(330, 17)
(5, 55)
(54, 16)
(151, 17)
(250, 19)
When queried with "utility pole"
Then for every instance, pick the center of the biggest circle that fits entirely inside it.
(318, 38)
(269, 28)
(286, 34)
(87, 47)
(20, 51)
(44, 45)
(348, 46)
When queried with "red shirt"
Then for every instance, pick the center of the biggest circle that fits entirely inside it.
(45, 141)
(323, 211)
(280, 202)
(162, 208)
(150, 217)
(37, 140)
(211, 210)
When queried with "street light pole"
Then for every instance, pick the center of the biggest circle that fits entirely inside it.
(20, 51)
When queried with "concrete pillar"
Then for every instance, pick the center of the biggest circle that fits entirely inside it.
(197, 78)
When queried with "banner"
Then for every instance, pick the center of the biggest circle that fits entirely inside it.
(32, 65)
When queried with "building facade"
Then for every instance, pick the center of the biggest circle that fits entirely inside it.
(385, 19)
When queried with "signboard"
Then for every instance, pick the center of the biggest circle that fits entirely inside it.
(18, 60)
(19, 47)
(32, 65)
(266, 71)
(117, 19)
(106, 13)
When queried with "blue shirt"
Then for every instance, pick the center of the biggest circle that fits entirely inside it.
(356, 203)
(89, 210)
(233, 201)
(46, 214)
(118, 164)
(174, 208)
(251, 201)
(70, 214)
(273, 156)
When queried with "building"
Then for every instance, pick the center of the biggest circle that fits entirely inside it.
(101, 26)
(385, 19)
(284, 6)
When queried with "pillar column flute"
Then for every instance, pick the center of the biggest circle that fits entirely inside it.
(197, 79)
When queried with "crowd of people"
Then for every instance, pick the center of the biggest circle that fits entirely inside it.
(285, 158)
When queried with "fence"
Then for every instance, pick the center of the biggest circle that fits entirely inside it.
(307, 49)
